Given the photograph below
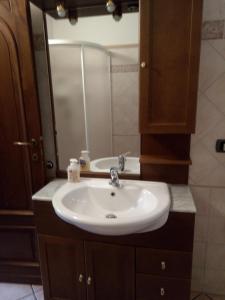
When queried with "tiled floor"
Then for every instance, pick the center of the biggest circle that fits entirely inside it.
(197, 296)
(10, 291)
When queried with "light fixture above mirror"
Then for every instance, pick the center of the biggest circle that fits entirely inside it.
(61, 9)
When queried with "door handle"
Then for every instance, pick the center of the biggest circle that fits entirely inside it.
(32, 143)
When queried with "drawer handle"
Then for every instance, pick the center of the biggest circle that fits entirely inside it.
(89, 280)
(162, 292)
(81, 277)
(163, 265)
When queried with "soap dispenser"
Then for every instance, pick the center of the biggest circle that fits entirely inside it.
(85, 160)
(73, 171)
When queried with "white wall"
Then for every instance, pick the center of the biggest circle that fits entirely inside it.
(103, 30)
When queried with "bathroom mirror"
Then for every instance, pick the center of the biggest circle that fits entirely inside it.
(94, 70)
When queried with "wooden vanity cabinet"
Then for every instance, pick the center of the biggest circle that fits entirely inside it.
(77, 270)
(170, 37)
(62, 264)
(79, 265)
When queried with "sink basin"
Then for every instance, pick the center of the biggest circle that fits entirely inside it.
(96, 206)
(104, 164)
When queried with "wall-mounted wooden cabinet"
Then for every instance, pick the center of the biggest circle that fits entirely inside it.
(170, 35)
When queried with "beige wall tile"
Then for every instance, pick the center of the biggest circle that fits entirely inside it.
(208, 116)
(214, 9)
(124, 55)
(214, 282)
(218, 297)
(125, 103)
(217, 177)
(219, 45)
(199, 255)
(203, 163)
(197, 279)
(216, 232)
(202, 198)
(217, 203)
(216, 93)
(212, 65)
(122, 144)
(215, 257)
(209, 140)
(201, 228)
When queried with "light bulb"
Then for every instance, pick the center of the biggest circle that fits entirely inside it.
(117, 14)
(73, 18)
(61, 10)
(110, 6)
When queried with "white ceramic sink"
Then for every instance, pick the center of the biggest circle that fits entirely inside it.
(104, 164)
(96, 206)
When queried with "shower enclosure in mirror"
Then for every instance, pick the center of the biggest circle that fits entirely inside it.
(94, 70)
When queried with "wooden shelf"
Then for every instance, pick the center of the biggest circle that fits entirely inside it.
(163, 160)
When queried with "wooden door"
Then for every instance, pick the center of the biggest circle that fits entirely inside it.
(21, 167)
(110, 272)
(170, 37)
(62, 267)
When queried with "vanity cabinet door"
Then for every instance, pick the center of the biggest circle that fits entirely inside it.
(110, 272)
(170, 36)
(62, 268)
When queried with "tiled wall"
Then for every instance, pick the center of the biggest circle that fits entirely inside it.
(207, 173)
(124, 76)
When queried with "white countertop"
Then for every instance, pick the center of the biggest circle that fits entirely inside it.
(182, 200)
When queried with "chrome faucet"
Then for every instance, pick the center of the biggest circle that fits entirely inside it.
(114, 177)
(122, 161)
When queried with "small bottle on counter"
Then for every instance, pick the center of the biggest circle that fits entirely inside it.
(85, 160)
(73, 171)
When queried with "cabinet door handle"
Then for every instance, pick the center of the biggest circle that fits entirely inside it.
(163, 265)
(81, 277)
(162, 292)
(89, 280)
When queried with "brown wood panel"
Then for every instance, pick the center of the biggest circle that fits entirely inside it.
(62, 262)
(163, 263)
(174, 146)
(15, 186)
(20, 272)
(170, 35)
(48, 222)
(16, 218)
(173, 174)
(19, 104)
(112, 271)
(17, 244)
(20, 176)
(165, 157)
(152, 287)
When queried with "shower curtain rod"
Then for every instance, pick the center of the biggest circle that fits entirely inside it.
(58, 42)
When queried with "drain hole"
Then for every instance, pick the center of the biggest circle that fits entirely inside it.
(111, 216)
(113, 194)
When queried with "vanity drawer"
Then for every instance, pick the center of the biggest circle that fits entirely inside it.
(163, 263)
(155, 288)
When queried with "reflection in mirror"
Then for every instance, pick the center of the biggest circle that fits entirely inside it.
(94, 67)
